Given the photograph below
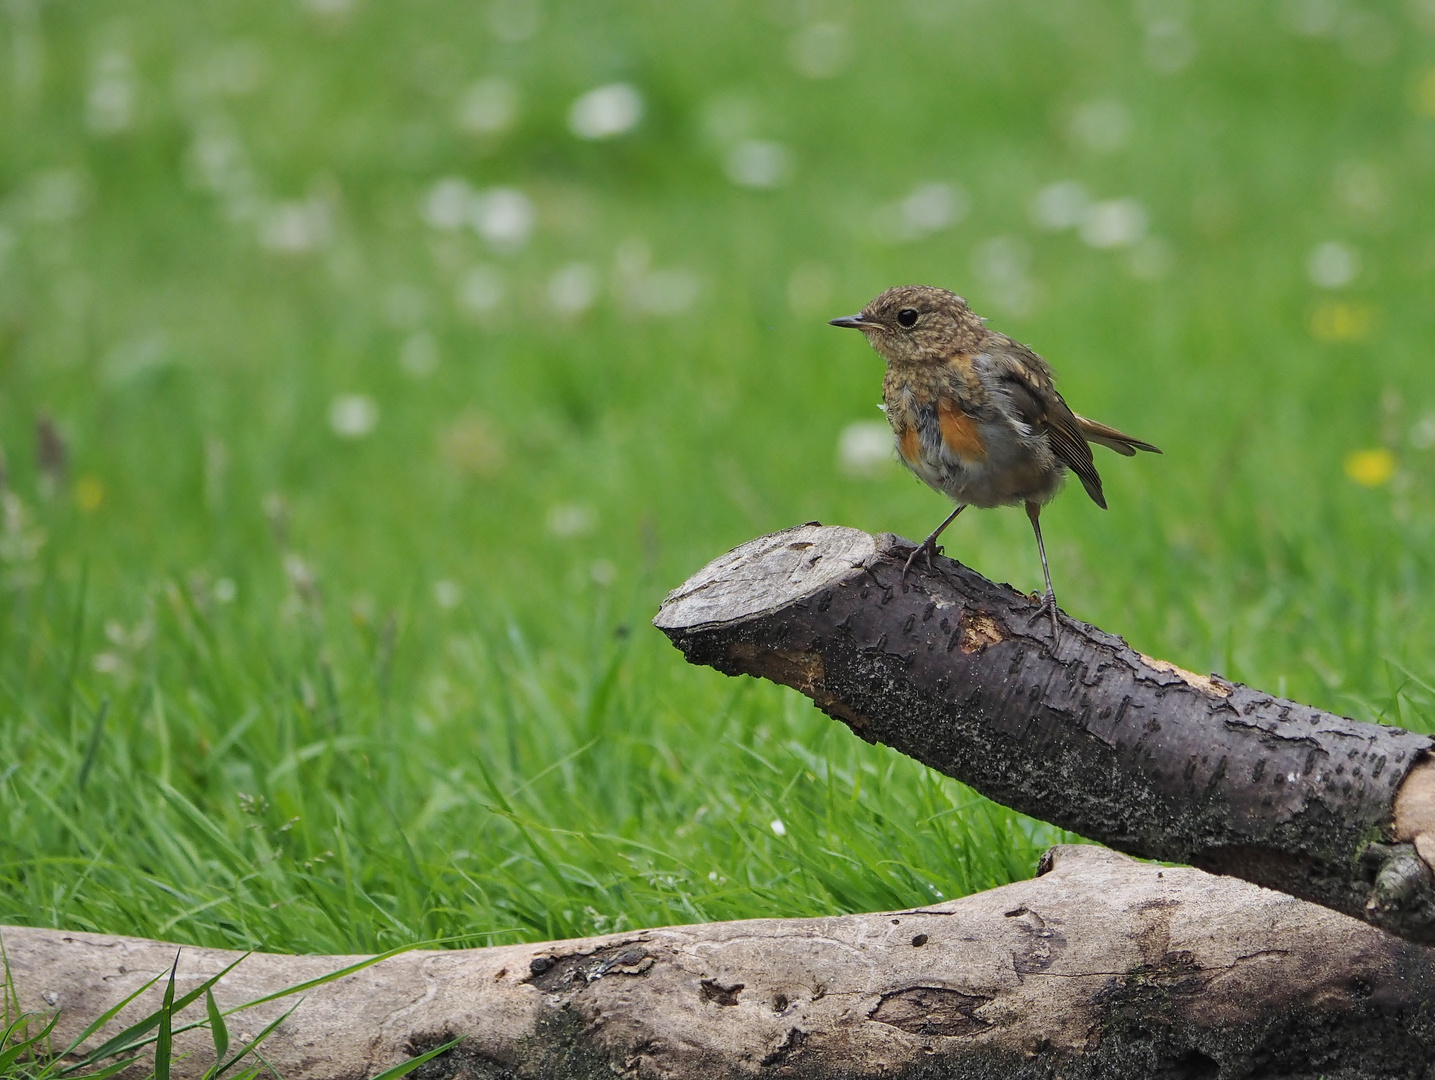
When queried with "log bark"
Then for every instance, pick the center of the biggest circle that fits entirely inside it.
(1082, 730)
(1100, 967)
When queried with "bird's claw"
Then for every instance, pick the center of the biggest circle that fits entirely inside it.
(1047, 606)
(927, 547)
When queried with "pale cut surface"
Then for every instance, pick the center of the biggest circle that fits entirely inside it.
(765, 573)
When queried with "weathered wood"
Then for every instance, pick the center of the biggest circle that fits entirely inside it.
(1101, 967)
(1082, 731)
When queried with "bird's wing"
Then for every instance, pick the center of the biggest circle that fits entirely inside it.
(1027, 382)
(1109, 437)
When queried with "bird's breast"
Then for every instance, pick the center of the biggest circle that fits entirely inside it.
(961, 434)
(972, 459)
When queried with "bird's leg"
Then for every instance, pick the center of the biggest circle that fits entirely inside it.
(1048, 599)
(929, 545)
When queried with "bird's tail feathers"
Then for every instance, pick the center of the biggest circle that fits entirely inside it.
(1097, 432)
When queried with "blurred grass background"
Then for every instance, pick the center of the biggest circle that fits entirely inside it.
(368, 372)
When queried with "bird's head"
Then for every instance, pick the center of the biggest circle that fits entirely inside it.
(917, 324)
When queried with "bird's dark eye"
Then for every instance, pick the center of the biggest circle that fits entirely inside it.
(907, 317)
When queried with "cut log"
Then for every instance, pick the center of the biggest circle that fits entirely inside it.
(1101, 967)
(1081, 731)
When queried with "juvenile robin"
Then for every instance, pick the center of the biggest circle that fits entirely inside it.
(977, 415)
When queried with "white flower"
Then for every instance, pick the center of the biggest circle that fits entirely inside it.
(820, 50)
(296, 227)
(418, 354)
(1332, 265)
(663, 292)
(758, 163)
(446, 206)
(573, 288)
(109, 663)
(1101, 126)
(1170, 46)
(481, 290)
(1060, 205)
(488, 107)
(1360, 188)
(934, 206)
(503, 216)
(1422, 435)
(1114, 223)
(300, 574)
(238, 68)
(647, 291)
(571, 519)
(58, 194)
(514, 20)
(606, 112)
(137, 357)
(110, 103)
(728, 119)
(777, 826)
(352, 416)
(865, 448)
(218, 161)
(927, 208)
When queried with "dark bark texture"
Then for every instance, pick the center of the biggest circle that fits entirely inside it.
(1082, 731)
(1101, 968)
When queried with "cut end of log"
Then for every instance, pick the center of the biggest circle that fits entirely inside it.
(764, 574)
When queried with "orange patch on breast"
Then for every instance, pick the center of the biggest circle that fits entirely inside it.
(959, 432)
(910, 445)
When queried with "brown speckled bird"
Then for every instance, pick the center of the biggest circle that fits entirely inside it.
(977, 415)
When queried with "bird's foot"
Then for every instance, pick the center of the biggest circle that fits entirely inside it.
(928, 547)
(1047, 606)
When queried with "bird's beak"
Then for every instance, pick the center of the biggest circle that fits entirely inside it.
(851, 322)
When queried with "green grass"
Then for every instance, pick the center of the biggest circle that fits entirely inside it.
(145, 1046)
(262, 686)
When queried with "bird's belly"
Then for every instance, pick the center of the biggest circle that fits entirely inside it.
(1013, 471)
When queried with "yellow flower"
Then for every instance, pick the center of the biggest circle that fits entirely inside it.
(89, 493)
(1425, 94)
(1341, 320)
(1370, 468)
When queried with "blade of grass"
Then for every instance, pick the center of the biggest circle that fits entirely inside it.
(164, 1043)
(406, 1067)
(130, 1038)
(92, 750)
(219, 1032)
(250, 1047)
(9, 1055)
(99, 1022)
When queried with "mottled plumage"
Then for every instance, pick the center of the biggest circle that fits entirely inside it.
(975, 414)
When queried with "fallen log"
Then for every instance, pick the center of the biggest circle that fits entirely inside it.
(1100, 967)
(1080, 730)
